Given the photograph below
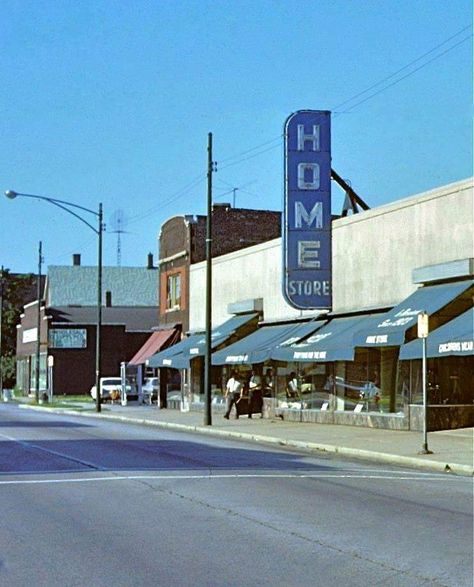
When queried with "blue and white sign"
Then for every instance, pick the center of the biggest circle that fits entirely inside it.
(307, 280)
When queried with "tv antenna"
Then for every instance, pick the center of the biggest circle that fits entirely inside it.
(118, 222)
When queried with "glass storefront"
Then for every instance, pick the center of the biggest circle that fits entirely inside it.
(450, 381)
(26, 373)
(303, 386)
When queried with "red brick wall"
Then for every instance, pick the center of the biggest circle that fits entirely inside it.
(234, 229)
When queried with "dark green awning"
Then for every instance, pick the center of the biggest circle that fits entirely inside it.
(180, 355)
(391, 328)
(455, 338)
(331, 342)
(259, 346)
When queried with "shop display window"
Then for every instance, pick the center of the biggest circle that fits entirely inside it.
(304, 386)
(450, 381)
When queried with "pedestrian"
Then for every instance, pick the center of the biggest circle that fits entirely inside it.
(233, 394)
(255, 394)
(269, 382)
(292, 386)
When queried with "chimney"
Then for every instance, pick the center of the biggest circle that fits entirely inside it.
(150, 261)
(76, 259)
(108, 299)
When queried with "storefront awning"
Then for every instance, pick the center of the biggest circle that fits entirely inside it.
(161, 359)
(331, 342)
(180, 355)
(221, 334)
(154, 344)
(455, 338)
(258, 346)
(392, 326)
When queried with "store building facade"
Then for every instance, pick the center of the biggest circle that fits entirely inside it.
(68, 319)
(380, 258)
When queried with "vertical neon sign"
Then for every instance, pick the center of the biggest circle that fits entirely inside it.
(307, 279)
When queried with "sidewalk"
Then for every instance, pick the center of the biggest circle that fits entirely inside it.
(452, 449)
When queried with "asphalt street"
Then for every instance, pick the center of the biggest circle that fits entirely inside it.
(91, 502)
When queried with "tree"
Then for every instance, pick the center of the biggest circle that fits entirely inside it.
(16, 290)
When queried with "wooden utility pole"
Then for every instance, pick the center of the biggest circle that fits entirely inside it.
(207, 356)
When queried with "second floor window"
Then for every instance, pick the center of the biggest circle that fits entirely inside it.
(173, 292)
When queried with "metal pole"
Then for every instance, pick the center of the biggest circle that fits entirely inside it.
(99, 313)
(38, 325)
(425, 449)
(207, 355)
(1, 323)
(423, 331)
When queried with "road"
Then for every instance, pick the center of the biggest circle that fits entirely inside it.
(86, 502)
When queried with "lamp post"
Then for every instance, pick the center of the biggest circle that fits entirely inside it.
(66, 206)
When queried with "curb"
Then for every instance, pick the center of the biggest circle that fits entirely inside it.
(419, 463)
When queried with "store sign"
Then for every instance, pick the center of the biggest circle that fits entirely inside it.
(307, 279)
(68, 338)
(30, 335)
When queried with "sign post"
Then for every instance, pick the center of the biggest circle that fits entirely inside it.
(50, 378)
(423, 330)
(307, 279)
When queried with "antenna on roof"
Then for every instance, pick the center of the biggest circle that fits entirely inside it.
(118, 222)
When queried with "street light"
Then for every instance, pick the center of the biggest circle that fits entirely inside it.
(64, 205)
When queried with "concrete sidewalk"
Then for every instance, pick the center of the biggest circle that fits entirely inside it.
(452, 449)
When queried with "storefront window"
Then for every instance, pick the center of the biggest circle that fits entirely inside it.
(23, 373)
(450, 381)
(360, 383)
(306, 386)
(42, 373)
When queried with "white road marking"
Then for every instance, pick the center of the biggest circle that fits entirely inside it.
(230, 476)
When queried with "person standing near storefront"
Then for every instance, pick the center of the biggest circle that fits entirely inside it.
(233, 393)
(292, 386)
(255, 394)
(269, 382)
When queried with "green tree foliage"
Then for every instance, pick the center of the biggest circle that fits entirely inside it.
(16, 290)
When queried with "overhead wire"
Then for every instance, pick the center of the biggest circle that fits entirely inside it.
(172, 198)
(241, 157)
(406, 67)
(408, 74)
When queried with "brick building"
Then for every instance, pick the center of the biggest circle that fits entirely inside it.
(182, 242)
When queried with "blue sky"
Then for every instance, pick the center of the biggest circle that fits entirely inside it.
(111, 101)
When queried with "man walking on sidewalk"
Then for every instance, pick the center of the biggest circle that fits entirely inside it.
(233, 393)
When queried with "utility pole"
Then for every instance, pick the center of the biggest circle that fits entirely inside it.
(207, 356)
(1, 323)
(38, 325)
(100, 228)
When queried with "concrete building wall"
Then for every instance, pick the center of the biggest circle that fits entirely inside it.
(254, 272)
(374, 254)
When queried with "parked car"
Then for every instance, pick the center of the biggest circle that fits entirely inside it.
(150, 389)
(108, 385)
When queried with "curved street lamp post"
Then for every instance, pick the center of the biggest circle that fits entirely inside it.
(64, 205)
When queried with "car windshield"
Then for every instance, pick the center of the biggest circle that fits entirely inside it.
(112, 382)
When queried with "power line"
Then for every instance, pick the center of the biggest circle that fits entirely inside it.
(252, 156)
(406, 67)
(278, 138)
(410, 73)
(241, 156)
(172, 198)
